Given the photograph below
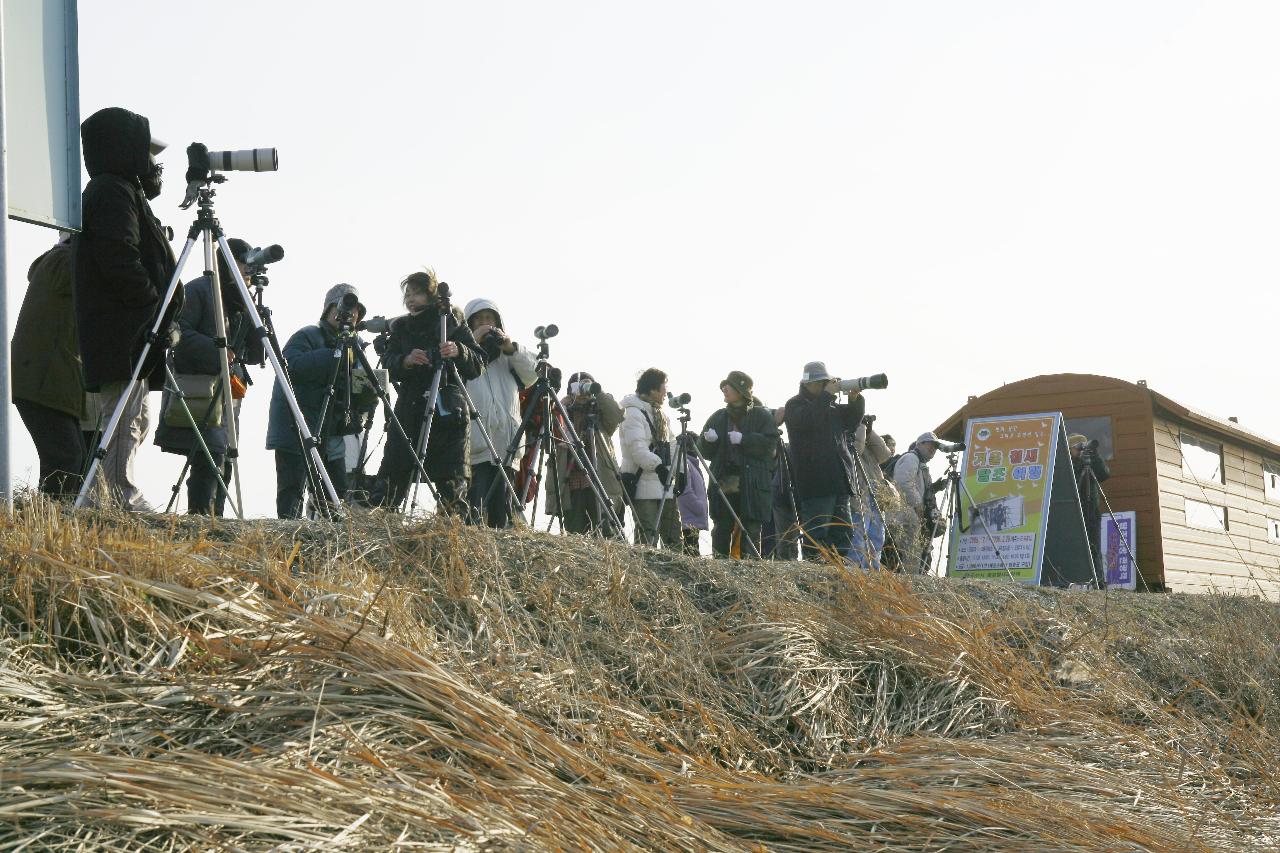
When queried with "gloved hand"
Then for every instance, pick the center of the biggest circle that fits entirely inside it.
(711, 435)
(664, 473)
(735, 437)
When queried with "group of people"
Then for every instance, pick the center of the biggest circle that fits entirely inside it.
(463, 422)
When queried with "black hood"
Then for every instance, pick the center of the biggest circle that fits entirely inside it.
(116, 142)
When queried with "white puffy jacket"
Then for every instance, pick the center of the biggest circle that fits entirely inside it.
(496, 393)
(635, 437)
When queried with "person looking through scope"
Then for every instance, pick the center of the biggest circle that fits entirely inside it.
(596, 416)
(647, 455)
(739, 441)
(1090, 471)
(122, 266)
(309, 355)
(509, 368)
(414, 355)
(196, 361)
(823, 475)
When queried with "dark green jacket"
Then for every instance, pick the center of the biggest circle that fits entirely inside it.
(750, 463)
(46, 352)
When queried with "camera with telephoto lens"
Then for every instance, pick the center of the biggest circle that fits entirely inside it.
(878, 381)
(589, 388)
(676, 401)
(204, 166)
(346, 310)
(1087, 448)
(257, 258)
(950, 447)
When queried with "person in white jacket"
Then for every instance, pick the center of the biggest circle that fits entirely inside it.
(509, 368)
(647, 452)
(915, 484)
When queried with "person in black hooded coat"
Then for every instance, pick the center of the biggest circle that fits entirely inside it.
(122, 266)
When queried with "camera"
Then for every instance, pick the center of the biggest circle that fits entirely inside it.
(868, 420)
(347, 308)
(260, 256)
(1089, 447)
(377, 325)
(676, 401)
(548, 331)
(245, 160)
(950, 447)
(592, 388)
(878, 381)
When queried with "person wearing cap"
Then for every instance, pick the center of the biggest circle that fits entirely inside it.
(122, 265)
(509, 368)
(916, 486)
(1091, 471)
(414, 352)
(822, 473)
(197, 354)
(309, 356)
(739, 442)
(596, 417)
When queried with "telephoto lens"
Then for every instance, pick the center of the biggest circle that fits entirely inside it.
(246, 160)
(377, 325)
(878, 382)
(261, 256)
(954, 447)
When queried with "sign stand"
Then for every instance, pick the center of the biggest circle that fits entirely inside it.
(1018, 514)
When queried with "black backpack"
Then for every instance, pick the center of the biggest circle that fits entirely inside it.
(888, 465)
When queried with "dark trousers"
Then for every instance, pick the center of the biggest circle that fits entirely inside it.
(488, 497)
(690, 537)
(59, 444)
(723, 525)
(828, 523)
(291, 481)
(584, 513)
(448, 450)
(203, 491)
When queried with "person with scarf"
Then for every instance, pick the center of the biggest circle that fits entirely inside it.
(596, 416)
(739, 442)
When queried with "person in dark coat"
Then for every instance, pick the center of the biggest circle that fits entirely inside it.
(822, 461)
(595, 417)
(197, 353)
(413, 351)
(123, 265)
(739, 441)
(48, 390)
(1091, 470)
(308, 356)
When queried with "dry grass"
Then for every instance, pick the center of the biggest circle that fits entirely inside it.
(273, 686)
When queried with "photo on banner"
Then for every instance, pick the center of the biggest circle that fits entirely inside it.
(1120, 548)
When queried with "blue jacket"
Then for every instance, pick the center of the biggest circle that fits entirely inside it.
(309, 358)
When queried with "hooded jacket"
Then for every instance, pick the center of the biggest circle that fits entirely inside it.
(46, 352)
(639, 438)
(122, 259)
(610, 418)
(822, 462)
(496, 392)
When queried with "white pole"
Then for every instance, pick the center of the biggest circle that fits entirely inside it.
(6, 485)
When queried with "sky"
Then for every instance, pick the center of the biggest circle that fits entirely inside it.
(958, 195)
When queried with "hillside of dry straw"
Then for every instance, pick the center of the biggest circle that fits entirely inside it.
(273, 686)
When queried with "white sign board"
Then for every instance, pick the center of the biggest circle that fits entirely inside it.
(42, 111)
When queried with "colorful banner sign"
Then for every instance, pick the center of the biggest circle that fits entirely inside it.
(1004, 499)
(1119, 529)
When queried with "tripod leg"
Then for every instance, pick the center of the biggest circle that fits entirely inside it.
(711, 478)
(580, 456)
(153, 338)
(196, 435)
(429, 415)
(220, 341)
(393, 420)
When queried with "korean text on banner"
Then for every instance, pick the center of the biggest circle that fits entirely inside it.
(1004, 505)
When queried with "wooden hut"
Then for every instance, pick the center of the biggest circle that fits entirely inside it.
(1206, 490)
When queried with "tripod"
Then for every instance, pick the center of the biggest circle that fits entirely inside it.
(864, 489)
(680, 466)
(207, 226)
(953, 488)
(432, 400)
(544, 402)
